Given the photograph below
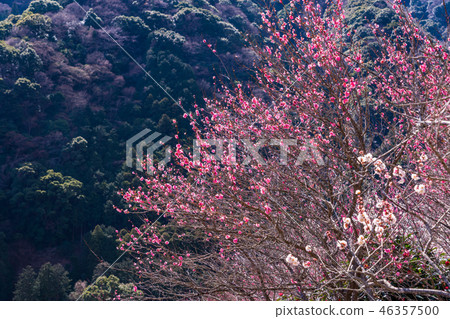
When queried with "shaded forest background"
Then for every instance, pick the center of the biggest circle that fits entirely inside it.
(70, 98)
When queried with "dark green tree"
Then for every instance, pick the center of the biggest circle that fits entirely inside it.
(30, 61)
(91, 19)
(156, 20)
(39, 25)
(25, 285)
(5, 29)
(165, 125)
(61, 202)
(8, 54)
(5, 268)
(101, 246)
(110, 288)
(132, 25)
(43, 6)
(52, 283)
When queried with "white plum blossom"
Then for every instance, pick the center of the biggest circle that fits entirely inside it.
(366, 159)
(415, 177)
(379, 163)
(398, 171)
(306, 264)
(361, 240)
(379, 166)
(420, 189)
(390, 219)
(379, 230)
(423, 157)
(290, 259)
(369, 158)
(341, 244)
(368, 228)
(363, 218)
(347, 222)
(308, 248)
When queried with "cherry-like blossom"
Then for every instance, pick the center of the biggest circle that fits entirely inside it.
(341, 244)
(290, 259)
(419, 189)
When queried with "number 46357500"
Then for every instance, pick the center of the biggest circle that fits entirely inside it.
(409, 310)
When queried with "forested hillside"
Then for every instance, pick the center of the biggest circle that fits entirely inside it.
(70, 97)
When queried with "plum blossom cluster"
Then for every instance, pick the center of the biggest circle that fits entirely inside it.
(368, 159)
(397, 171)
(291, 260)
